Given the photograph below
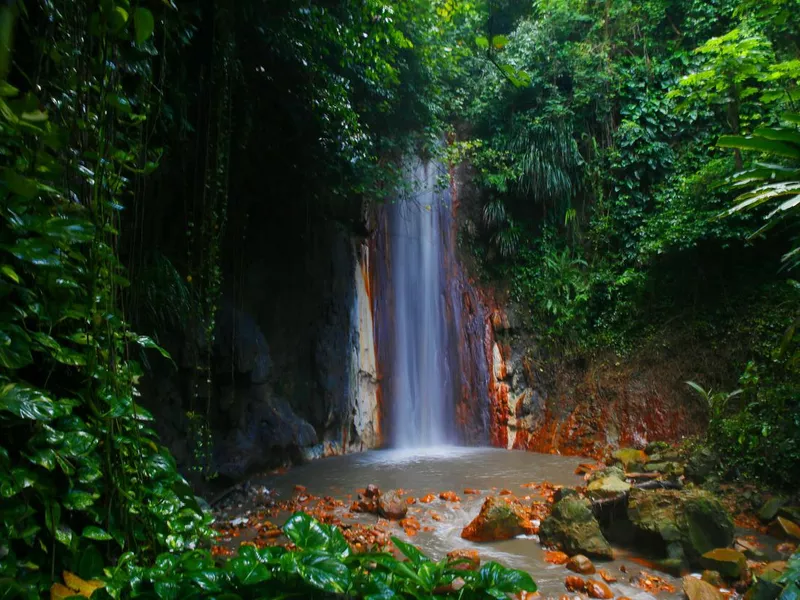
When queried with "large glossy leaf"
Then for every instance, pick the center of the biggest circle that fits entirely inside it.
(144, 24)
(306, 532)
(499, 580)
(27, 402)
(248, 568)
(319, 569)
(414, 555)
(759, 144)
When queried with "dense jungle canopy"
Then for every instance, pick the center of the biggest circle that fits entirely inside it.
(635, 168)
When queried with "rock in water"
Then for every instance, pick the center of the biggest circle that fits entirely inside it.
(392, 506)
(785, 529)
(573, 528)
(580, 564)
(689, 523)
(697, 589)
(500, 519)
(598, 589)
(770, 508)
(726, 561)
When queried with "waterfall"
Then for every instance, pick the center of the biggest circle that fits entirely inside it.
(419, 387)
(431, 323)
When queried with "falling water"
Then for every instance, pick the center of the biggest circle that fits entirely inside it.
(420, 384)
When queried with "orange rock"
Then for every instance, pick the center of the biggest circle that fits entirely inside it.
(580, 564)
(449, 497)
(427, 498)
(575, 584)
(606, 576)
(598, 589)
(555, 557)
(436, 516)
(411, 500)
(372, 491)
(466, 560)
(474, 492)
(505, 492)
(499, 519)
(299, 488)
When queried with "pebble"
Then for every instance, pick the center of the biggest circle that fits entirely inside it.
(580, 564)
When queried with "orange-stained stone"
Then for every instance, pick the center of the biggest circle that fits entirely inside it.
(574, 583)
(598, 589)
(427, 498)
(555, 557)
(471, 491)
(500, 518)
(449, 497)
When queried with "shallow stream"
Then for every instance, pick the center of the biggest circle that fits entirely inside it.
(435, 470)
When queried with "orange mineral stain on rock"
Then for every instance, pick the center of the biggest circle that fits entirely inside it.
(427, 498)
(555, 557)
(449, 497)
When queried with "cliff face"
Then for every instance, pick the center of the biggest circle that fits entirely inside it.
(578, 406)
(293, 363)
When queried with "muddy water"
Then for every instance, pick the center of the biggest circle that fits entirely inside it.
(438, 469)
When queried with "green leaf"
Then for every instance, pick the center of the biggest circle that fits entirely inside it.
(318, 569)
(759, 144)
(482, 42)
(10, 273)
(306, 532)
(78, 500)
(27, 402)
(412, 553)
(93, 532)
(499, 42)
(497, 578)
(144, 24)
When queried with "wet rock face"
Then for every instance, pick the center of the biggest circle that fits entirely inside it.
(697, 589)
(573, 528)
(293, 372)
(501, 518)
(684, 523)
(392, 506)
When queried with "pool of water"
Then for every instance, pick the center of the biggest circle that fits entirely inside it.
(434, 470)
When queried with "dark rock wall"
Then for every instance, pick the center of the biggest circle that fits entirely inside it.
(286, 348)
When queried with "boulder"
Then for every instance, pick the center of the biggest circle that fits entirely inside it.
(499, 519)
(784, 529)
(701, 465)
(684, 523)
(769, 510)
(727, 562)
(392, 506)
(580, 564)
(607, 472)
(564, 492)
(630, 458)
(697, 589)
(572, 527)
(372, 491)
(607, 487)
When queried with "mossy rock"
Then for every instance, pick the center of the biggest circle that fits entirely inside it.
(607, 472)
(769, 510)
(573, 528)
(656, 448)
(727, 562)
(629, 457)
(607, 487)
(691, 522)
